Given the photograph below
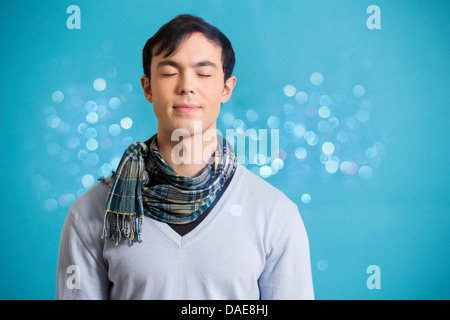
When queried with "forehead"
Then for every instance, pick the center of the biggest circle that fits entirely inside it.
(194, 47)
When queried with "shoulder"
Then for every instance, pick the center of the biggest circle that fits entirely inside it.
(89, 207)
(259, 193)
(81, 234)
(273, 216)
(260, 189)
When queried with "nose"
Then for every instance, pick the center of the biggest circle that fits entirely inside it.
(186, 85)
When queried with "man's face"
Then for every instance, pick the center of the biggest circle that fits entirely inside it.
(188, 85)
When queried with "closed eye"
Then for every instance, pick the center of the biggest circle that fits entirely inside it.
(204, 75)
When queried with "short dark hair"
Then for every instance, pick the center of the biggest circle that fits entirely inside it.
(171, 35)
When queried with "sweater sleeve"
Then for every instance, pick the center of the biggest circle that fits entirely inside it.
(81, 272)
(287, 272)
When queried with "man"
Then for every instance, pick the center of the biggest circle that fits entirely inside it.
(177, 225)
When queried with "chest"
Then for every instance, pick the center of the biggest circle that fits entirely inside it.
(225, 255)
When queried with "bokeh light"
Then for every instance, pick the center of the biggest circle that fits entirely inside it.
(57, 96)
(322, 265)
(114, 130)
(126, 123)
(289, 90)
(235, 210)
(87, 180)
(301, 153)
(301, 97)
(306, 198)
(316, 78)
(114, 103)
(358, 91)
(328, 148)
(324, 112)
(99, 84)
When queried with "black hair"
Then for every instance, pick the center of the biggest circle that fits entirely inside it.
(171, 35)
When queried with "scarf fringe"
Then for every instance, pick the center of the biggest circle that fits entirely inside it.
(107, 181)
(129, 200)
(118, 226)
(126, 222)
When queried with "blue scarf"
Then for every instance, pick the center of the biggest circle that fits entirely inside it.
(145, 185)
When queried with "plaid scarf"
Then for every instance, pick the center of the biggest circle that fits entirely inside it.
(145, 185)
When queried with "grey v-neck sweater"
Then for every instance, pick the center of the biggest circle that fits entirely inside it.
(251, 245)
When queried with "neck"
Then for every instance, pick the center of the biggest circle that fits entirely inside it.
(189, 155)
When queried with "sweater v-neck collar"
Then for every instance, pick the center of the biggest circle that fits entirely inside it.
(210, 219)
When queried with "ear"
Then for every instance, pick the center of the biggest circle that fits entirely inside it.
(145, 83)
(228, 89)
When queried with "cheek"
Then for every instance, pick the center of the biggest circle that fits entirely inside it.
(214, 92)
(159, 94)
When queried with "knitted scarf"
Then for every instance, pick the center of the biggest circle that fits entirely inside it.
(145, 185)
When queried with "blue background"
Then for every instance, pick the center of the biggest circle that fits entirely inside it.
(386, 90)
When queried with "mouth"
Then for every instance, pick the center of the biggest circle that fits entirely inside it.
(186, 108)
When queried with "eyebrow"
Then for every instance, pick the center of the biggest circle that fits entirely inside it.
(204, 63)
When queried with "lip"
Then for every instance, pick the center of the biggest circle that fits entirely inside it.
(186, 108)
